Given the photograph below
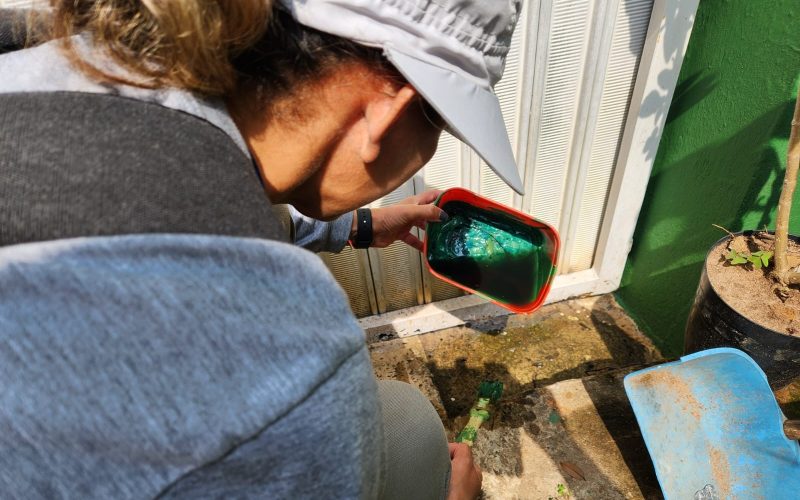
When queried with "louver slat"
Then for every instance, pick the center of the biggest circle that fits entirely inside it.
(570, 22)
(633, 17)
(355, 278)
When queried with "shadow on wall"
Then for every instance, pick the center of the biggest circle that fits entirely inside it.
(721, 157)
(689, 93)
(656, 103)
(757, 208)
(722, 183)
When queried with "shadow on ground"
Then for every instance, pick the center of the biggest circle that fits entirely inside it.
(563, 418)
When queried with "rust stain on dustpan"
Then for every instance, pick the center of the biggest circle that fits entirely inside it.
(721, 471)
(664, 384)
(668, 384)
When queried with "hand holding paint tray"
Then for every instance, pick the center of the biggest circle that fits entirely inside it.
(492, 250)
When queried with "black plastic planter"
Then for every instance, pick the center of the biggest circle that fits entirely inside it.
(713, 323)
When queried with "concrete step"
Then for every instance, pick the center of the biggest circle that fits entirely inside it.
(563, 419)
(575, 439)
(562, 341)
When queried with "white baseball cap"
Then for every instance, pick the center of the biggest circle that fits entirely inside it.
(451, 51)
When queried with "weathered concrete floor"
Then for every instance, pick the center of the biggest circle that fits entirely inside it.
(563, 419)
(789, 399)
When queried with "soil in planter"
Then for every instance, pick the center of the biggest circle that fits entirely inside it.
(751, 291)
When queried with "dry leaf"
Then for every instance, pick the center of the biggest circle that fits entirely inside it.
(572, 470)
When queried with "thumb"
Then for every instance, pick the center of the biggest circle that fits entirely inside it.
(426, 213)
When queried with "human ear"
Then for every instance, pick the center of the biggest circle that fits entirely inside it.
(380, 114)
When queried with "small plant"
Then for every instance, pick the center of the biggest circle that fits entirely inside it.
(756, 259)
(562, 493)
(740, 255)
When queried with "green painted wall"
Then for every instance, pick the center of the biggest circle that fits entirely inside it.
(721, 156)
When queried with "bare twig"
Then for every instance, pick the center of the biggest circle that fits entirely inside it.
(781, 271)
(729, 233)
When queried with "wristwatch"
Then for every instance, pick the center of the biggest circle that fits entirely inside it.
(363, 235)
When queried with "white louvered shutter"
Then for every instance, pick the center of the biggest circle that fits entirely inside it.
(564, 95)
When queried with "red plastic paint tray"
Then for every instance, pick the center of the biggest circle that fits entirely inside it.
(492, 250)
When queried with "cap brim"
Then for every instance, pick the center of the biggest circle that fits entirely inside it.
(472, 112)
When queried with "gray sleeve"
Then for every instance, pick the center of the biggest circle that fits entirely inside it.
(320, 236)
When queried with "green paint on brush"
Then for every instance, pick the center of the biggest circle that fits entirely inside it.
(467, 435)
(491, 390)
(479, 413)
(488, 392)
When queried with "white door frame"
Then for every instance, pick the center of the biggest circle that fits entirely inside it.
(668, 34)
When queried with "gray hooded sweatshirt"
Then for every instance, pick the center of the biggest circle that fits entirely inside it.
(156, 337)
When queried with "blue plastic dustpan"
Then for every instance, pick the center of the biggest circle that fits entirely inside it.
(711, 419)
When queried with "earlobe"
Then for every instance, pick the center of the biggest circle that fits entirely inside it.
(380, 115)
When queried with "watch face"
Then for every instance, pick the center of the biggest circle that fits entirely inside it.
(363, 237)
(492, 250)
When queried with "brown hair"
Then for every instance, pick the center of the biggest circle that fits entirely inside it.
(213, 47)
(291, 57)
(189, 44)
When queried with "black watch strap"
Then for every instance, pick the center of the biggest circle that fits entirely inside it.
(363, 238)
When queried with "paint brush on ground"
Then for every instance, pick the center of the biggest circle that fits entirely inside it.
(488, 393)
